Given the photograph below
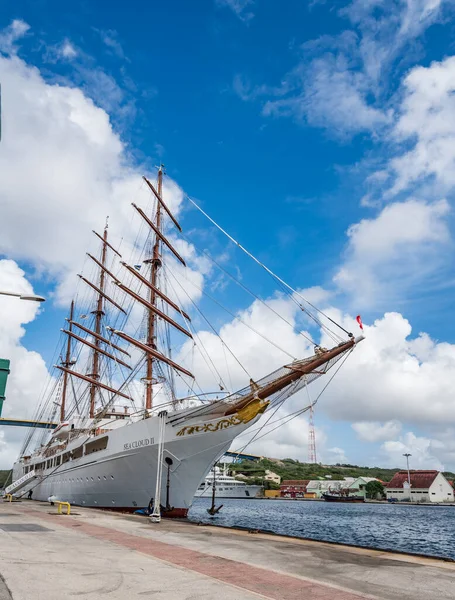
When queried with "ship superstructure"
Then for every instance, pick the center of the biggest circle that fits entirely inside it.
(133, 423)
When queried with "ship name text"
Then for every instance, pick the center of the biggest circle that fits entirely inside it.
(139, 444)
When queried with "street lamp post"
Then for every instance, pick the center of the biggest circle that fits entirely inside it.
(30, 297)
(407, 462)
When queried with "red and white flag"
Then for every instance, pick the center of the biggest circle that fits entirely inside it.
(359, 321)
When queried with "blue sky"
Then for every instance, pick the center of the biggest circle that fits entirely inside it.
(295, 129)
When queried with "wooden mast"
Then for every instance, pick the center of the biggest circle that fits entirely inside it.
(98, 317)
(66, 364)
(155, 263)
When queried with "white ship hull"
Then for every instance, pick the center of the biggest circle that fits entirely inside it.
(123, 476)
(223, 491)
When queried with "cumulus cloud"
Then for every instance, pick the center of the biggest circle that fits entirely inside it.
(426, 123)
(422, 450)
(388, 255)
(370, 431)
(64, 169)
(28, 370)
(394, 376)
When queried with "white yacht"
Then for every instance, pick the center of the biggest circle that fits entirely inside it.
(226, 486)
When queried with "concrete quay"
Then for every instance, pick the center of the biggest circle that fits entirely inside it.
(99, 554)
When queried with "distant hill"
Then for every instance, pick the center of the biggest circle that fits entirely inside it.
(289, 468)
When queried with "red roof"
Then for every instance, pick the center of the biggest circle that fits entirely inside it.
(419, 479)
(296, 482)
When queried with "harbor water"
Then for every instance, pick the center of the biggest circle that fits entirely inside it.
(425, 530)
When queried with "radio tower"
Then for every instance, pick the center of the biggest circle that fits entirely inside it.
(311, 438)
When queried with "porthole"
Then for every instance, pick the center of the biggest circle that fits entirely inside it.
(86, 478)
(112, 477)
(99, 478)
(91, 478)
(104, 477)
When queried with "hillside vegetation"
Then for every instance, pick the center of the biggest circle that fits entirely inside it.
(289, 468)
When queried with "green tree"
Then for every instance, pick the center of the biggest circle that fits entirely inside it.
(374, 489)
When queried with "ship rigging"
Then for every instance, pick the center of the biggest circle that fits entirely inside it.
(127, 400)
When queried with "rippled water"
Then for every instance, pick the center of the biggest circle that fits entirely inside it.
(415, 529)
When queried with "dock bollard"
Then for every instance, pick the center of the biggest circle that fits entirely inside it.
(60, 504)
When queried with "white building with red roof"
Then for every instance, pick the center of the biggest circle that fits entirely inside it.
(426, 486)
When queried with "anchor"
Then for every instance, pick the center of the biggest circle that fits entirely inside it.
(213, 510)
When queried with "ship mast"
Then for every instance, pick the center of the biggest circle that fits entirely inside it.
(98, 317)
(155, 262)
(66, 364)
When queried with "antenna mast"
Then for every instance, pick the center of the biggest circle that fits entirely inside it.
(66, 364)
(155, 262)
(99, 313)
(311, 439)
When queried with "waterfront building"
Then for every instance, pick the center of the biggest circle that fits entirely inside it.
(426, 486)
(317, 487)
(272, 493)
(358, 486)
(271, 476)
(294, 488)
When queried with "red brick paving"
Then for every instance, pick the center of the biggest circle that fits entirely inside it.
(269, 584)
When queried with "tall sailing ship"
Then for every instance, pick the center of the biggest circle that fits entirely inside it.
(127, 434)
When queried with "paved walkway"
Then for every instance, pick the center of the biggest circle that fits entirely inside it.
(98, 554)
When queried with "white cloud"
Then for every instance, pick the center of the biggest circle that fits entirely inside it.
(332, 95)
(64, 169)
(68, 50)
(426, 123)
(11, 34)
(388, 255)
(372, 431)
(340, 82)
(421, 448)
(337, 455)
(28, 370)
(239, 7)
(392, 376)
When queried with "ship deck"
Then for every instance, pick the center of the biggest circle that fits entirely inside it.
(96, 554)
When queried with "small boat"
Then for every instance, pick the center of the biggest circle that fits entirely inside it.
(331, 497)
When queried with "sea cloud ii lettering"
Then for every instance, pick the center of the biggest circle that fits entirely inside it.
(138, 444)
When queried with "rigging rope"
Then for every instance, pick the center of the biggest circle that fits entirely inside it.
(244, 287)
(266, 268)
(297, 413)
(235, 317)
(193, 331)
